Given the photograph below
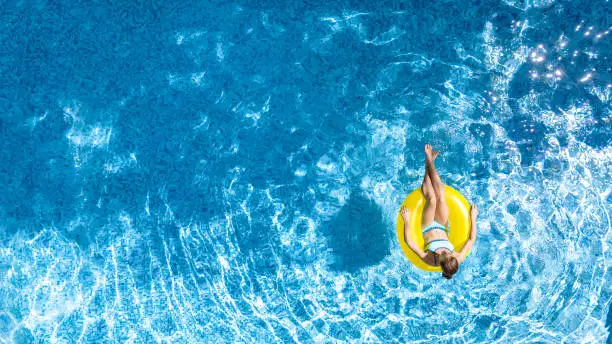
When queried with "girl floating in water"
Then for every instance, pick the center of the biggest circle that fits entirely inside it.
(435, 225)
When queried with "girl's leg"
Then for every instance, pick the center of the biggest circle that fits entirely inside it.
(441, 214)
(429, 211)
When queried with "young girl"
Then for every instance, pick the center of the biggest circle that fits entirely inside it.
(435, 226)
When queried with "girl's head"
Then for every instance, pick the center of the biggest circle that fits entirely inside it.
(449, 265)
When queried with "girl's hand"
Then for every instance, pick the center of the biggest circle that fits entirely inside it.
(474, 211)
(405, 213)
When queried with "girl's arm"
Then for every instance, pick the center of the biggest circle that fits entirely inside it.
(470, 242)
(413, 246)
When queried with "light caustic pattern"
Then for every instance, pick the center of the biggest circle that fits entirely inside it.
(255, 198)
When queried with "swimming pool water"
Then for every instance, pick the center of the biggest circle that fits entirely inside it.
(229, 172)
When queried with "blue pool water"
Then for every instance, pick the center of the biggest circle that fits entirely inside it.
(231, 172)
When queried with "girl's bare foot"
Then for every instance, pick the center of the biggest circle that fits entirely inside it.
(430, 153)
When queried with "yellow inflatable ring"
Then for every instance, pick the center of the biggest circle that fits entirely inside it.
(458, 214)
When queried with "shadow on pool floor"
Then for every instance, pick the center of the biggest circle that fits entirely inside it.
(357, 235)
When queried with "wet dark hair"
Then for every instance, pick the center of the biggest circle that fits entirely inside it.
(449, 265)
